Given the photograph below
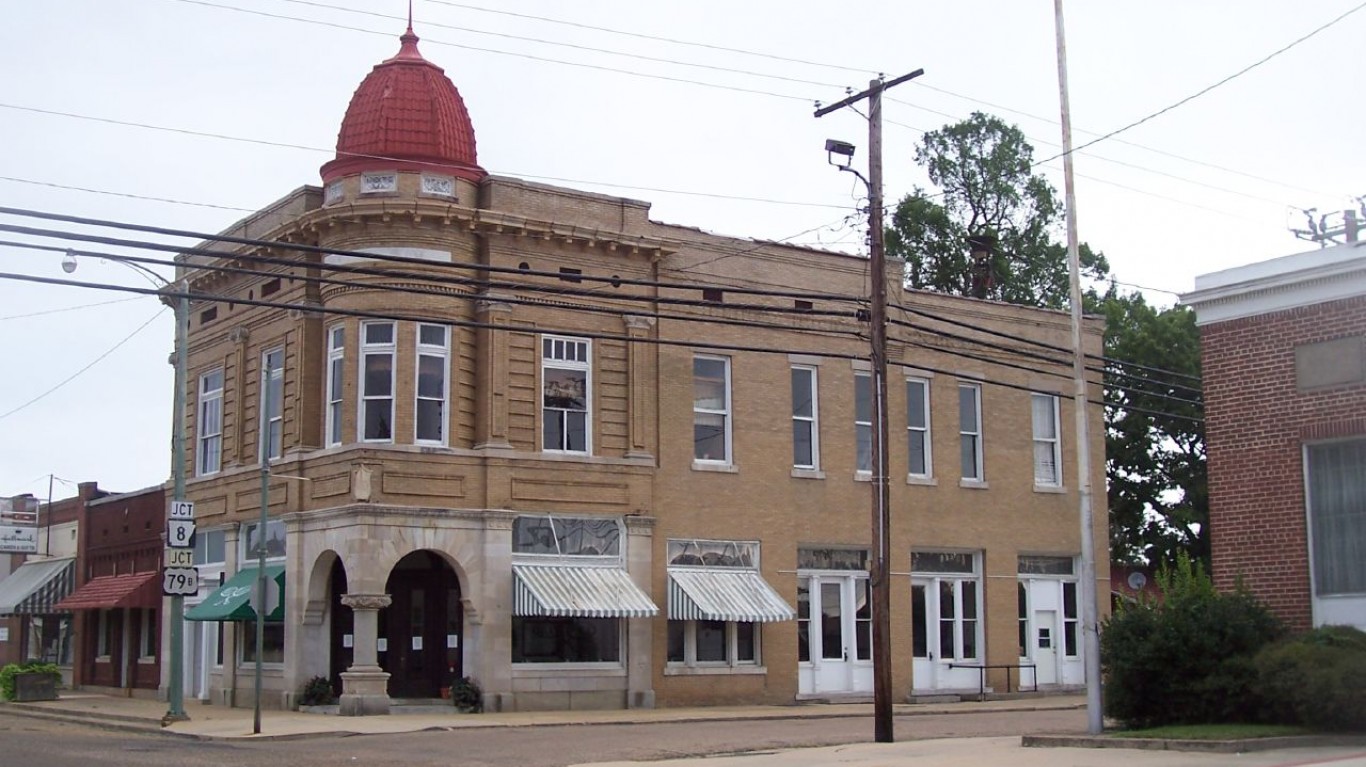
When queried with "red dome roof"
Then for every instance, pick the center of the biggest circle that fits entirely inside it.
(406, 115)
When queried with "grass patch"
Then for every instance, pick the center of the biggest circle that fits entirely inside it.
(1213, 731)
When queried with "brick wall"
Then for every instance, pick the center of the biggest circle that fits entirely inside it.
(1256, 423)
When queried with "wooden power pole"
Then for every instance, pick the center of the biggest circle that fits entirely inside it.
(878, 571)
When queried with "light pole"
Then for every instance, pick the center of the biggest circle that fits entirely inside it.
(175, 711)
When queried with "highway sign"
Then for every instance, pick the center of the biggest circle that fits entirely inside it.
(182, 510)
(177, 558)
(180, 533)
(180, 581)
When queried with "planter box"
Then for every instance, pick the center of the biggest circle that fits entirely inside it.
(30, 687)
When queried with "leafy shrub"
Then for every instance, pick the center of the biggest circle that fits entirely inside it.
(1186, 659)
(466, 695)
(317, 692)
(1317, 679)
(32, 667)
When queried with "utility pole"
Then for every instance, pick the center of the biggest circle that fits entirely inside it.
(1090, 626)
(879, 573)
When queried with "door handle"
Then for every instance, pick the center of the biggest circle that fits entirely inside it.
(846, 655)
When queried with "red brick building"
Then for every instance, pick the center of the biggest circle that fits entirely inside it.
(117, 600)
(1284, 365)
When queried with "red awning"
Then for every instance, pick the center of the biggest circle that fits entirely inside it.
(108, 592)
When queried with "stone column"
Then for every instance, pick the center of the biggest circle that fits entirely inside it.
(365, 685)
(640, 691)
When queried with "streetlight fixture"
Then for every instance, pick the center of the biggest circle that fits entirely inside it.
(175, 691)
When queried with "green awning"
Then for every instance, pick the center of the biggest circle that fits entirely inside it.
(232, 600)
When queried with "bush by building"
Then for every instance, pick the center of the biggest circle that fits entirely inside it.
(1316, 679)
(1188, 658)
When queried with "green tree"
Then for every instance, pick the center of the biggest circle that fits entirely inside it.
(1155, 439)
(983, 168)
(1155, 467)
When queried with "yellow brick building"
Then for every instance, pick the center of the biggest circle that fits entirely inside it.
(525, 434)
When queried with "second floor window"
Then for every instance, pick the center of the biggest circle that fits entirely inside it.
(377, 382)
(1047, 458)
(970, 430)
(566, 394)
(918, 427)
(711, 409)
(433, 359)
(336, 357)
(805, 429)
(273, 394)
(210, 427)
(863, 422)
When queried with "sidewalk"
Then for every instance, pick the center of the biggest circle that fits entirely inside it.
(217, 722)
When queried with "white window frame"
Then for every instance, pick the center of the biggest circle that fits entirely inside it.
(575, 354)
(442, 353)
(732, 659)
(979, 477)
(924, 432)
(247, 632)
(272, 423)
(957, 581)
(209, 398)
(724, 412)
(246, 557)
(1052, 444)
(336, 373)
(863, 429)
(809, 420)
(366, 351)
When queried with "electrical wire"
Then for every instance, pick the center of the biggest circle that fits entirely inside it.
(91, 364)
(46, 312)
(1209, 88)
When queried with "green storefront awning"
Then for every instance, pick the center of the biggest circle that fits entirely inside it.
(232, 600)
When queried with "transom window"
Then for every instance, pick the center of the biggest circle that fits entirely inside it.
(566, 394)
(274, 542)
(377, 381)
(698, 553)
(210, 431)
(567, 536)
(432, 387)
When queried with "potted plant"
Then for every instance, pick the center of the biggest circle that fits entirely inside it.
(466, 695)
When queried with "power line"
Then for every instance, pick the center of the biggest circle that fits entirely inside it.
(69, 308)
(1209, 88)
(528, 56)
(91, 364)
(657, 38)
(573, 46)
(285, 145)
(52, 185)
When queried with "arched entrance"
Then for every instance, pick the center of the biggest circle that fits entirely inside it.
(341, 645)
(420, 631)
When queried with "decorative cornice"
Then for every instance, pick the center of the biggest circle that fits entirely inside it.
(1283, 283)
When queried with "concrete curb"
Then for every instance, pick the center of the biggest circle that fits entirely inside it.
(1241, 746)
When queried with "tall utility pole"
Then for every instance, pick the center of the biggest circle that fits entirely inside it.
(175, 689)
(1089, 614)
(878, 571)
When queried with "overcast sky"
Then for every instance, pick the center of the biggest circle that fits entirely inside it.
(1208, 185)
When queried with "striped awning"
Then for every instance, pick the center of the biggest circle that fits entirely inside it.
(586, 592)
(719, 594)
(36, 587)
